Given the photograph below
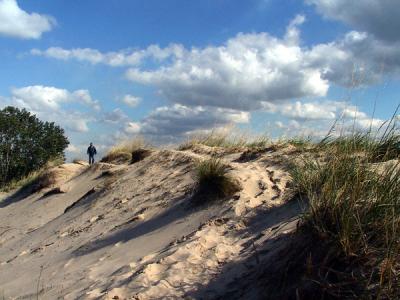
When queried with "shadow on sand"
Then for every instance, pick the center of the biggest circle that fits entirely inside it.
(19, 195)
(135, 229)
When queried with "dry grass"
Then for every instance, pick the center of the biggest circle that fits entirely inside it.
(356, 210)
(38, 179)
(122, 153)
(232, 139)
(213, 181)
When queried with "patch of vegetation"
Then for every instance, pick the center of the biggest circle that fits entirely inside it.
(301, 142)
(27, 144)
(122, 153)
(372, 147)
(139, 155)
(38, 179)
(228, 139)
(356, 211)
(213, 181)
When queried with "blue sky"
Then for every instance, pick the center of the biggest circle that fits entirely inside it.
(110, 70)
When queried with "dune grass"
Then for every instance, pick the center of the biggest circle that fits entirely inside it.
(122, 152)
(40, 178)
(213, 181)
(355, 207)
(231, 139)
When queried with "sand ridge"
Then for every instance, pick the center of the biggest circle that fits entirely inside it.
(130, 231)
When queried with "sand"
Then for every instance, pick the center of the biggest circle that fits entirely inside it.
(132, 232)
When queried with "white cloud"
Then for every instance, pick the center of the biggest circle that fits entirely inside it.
(16, 22)
(292, 31)
(84, 97)
(73, 121)
(247, 70)
(305, 111)
(357, 59)
(117, 116)
(131, 100)
(250, 69)
(178, 120)
(38, 97)
(315, 119)
(115, 58)
(378, 17)
(48, 104)
(73, 149)
(132, 128)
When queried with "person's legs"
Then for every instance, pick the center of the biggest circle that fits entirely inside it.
(91, 160)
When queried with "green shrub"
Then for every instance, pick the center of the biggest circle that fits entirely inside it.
(27, 144)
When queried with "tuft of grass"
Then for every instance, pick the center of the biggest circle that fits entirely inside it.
(229, 139)
(357, 210)
(39, 179)
(122, 153)
(140, 154)
(213, 181)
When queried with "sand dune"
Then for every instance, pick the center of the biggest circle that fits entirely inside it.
(132, 232)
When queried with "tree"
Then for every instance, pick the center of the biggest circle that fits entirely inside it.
(27, 143)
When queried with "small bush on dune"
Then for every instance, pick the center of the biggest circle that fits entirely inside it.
(37, 180)
(139, 154)
(122, 153)
(213, 181)
(357, 210)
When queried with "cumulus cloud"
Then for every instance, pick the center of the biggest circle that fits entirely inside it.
(48, 104)
(380, 18)
(357, 59)
(132, 128)
(315, 119)
(131, 100)
(73, 149)
(16, 22)
(38, 97)
(305, 111)
(84, 97)
(250, 69)
(74, 121)
(254, 68)
(217, 85)
(116, 116)
(115, 58)
(178, 120)
(246, 71)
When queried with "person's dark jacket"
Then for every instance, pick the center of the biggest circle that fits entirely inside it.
(91, 150)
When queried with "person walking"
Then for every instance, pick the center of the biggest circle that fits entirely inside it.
(91, 151)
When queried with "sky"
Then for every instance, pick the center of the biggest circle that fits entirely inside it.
(107, 71)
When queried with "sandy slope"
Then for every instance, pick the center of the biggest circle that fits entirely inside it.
(131, 231)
